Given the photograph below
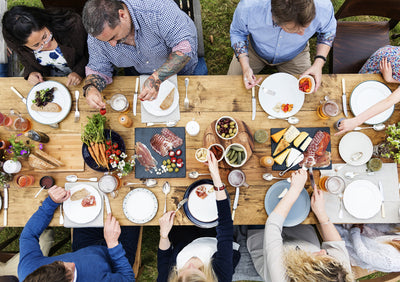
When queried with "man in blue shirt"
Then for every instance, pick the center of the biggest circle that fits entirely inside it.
(276, 33)
(155, 37)
(89, 262)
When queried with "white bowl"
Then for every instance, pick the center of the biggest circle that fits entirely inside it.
(243, 159)
(220, 146)
(216, 127)
(202, 160)
(312, 83)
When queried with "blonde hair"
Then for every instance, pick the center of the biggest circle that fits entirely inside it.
(303, 266)
(206, 269)
(394, 243)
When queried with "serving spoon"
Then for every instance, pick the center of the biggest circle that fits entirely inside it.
(269, 177)
(376, 127)
(291, 120)
(148, 182)
(74, 178)
(195, 174)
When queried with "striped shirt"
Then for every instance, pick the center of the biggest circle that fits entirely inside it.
(160, 29)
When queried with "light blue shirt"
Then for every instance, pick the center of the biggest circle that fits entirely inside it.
(253, 19)
(159, 26)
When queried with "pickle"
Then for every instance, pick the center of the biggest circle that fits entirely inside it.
(237, 148)
(235, 156)
(239, 157)
(229, 154)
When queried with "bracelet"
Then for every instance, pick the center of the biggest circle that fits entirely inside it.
(220, 188)
(324, 223)
(86, 87)
(162, 237)
(320, 57)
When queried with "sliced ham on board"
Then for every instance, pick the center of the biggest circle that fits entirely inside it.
(165, 142)
(171, 137)
(144, 156)
(317, 150)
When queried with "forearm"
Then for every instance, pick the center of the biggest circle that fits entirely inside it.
(327, 230)
(164, 243)
(322, 50)
(175, 62)
(97, 81)
(285, 205)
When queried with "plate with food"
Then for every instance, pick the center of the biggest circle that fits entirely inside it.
(300, 209)
(84, 205)
(140, 205)
(201, 207)
(287, 99)
(117, 143)
(356, 148)
(48, 102)
(367, 94)
(166, 102)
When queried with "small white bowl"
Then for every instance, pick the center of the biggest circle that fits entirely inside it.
(312, 83)
(216, 127)
(243, 159)
(201, 155)
(222, 148)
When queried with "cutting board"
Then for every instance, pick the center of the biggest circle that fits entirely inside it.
(66, 148)
(144, 136)
(244, 137)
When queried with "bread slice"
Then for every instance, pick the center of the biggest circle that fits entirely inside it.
(167, 102)
(50, 107)
(305, 144)
(281, 158)
(278, 135)
(291, 134)
(50, 159)
(80, 194)
(38, 163)
(282, 145)
(299, 139)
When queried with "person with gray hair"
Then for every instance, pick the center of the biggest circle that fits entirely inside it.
(154, 37)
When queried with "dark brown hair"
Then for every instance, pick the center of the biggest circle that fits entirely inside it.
(299, 12)
(53, 272)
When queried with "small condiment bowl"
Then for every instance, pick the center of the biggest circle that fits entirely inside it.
(228, 158)
(46, 181)
(201, 155)
(222, 151)
(221, 119)
(312, 83)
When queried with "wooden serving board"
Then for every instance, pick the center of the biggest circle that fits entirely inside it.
(244, 137)
(66, 148)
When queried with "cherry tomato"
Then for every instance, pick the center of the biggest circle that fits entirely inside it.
(179, 161)
(108, 153)
(108, 142)
(115, 145)
(118, 152)
(171, 153)
(179, 165)
(178, 152)
(103, 111)
(173, 160)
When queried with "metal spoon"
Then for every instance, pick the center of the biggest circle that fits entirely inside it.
(376, 127)
(195, 174)
(352, 174)
(41, 189)
(74, 178)
(148, 182)
(166, 188)
(269, 177)
(291, 120)
(267, 91)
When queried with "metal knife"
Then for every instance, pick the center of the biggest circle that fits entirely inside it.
(383, 199)
(18, 94)
(344, 98)
(135, 96)
(181, 203)
(5, 205)
(253, 103)
(235, 202)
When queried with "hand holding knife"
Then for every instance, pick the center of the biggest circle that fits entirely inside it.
(344, 98)
(135, 96)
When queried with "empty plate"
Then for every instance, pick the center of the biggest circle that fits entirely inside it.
(367, 94)
(140, 205)
(362, 199)
(353, 143)
(300, 209)
(74, 209)
(153, 107)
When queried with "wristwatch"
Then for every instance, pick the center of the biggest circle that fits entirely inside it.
(220, 188)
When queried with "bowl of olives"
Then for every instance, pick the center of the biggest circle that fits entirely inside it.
(226, 128)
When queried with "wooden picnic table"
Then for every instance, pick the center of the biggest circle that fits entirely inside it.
(210, 97)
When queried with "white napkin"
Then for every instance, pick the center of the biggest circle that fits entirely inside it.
(147, 117)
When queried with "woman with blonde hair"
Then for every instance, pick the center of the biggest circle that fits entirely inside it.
(190, 254)
(295, 253)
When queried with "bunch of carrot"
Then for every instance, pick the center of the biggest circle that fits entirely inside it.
(93, 136)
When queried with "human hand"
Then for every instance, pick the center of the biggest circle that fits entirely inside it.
(94, 99)
(250, 79)
(150, 88)
(298, 179)
(35, 78)
(316, 72)
(112, 230)
(74, 79)
(213, 168)
(166, 222)
(386, 69)
(347, 125)
(318, 204)
(58, 194)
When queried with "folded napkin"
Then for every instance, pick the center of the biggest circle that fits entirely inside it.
(97, 222)
(148, 117)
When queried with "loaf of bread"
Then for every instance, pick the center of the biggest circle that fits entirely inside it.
(50, 107)
(167, 102)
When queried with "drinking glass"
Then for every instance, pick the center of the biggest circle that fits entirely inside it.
(109, 184)
(237, 178)
(328, 108)
(119, 103)
(15, 122)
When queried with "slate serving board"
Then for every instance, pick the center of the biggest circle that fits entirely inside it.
(144, 136)
(311, 131)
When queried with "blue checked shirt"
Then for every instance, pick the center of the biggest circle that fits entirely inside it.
(253, 19)
(159, 26)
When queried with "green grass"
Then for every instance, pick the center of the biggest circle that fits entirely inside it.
(216, 19)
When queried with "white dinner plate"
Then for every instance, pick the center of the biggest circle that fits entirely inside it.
(153, 107)
(352, 143)
(286, 88)
(362, 199)
(204, 210)
(78, 214)
(367, 94)
(61, 96)
(140, 205)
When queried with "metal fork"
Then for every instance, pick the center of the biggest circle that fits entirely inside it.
(186, 101)
(181, 203)
(76, 106)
